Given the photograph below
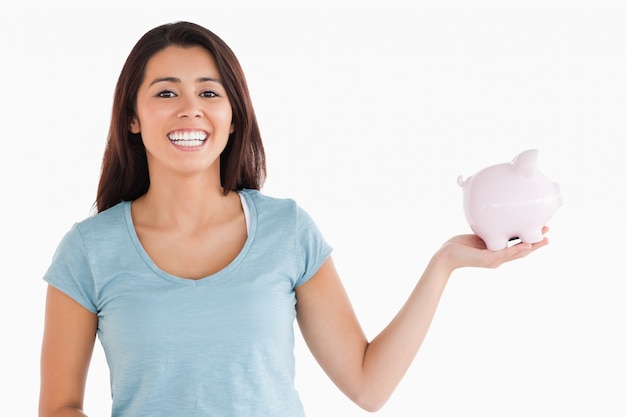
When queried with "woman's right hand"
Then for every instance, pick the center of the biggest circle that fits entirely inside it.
(470, 251)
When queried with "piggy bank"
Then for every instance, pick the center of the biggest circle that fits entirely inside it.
(510, 201)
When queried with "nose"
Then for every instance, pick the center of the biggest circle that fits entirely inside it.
(190, 108)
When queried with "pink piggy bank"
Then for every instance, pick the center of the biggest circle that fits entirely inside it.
(510, 201)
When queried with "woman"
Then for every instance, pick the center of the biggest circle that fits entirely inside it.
(191, 278)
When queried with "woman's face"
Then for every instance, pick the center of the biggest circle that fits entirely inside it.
(182, 112)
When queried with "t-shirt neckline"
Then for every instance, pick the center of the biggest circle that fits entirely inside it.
(251, 220)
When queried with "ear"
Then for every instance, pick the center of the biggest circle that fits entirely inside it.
(134, 127)
(526, 163)
(232, 128)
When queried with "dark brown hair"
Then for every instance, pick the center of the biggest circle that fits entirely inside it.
(124, 175)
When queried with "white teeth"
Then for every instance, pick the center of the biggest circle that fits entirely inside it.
(188, 138)
(189, 142)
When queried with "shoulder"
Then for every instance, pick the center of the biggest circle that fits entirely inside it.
(98, 239)
(89, 247)
(103, 224)
(279, 213)
(269, 202)
(273, 207)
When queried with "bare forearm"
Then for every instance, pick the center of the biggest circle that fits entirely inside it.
(368, 372)
(389, 354)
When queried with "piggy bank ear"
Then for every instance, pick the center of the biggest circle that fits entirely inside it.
(526, 163)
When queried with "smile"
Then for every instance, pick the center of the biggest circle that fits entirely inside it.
(188, 138)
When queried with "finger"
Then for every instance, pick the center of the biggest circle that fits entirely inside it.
(523, 249)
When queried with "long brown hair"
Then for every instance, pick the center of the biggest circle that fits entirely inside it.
(124, 175)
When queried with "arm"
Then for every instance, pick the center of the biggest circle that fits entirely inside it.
(368, 372)
(68, 341)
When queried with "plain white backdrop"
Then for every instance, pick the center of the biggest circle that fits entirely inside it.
(369, 111)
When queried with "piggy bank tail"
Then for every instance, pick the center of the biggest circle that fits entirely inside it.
(461, 181)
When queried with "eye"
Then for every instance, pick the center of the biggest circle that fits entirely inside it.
(209, 94)
(166, 94)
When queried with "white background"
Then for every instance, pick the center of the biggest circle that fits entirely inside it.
(369, 111)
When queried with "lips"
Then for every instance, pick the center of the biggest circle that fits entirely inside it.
(188, 138)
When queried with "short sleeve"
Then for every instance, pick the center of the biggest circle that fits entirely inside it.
(313, 250)
(70, 272)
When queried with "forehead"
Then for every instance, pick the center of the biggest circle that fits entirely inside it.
(178, 60)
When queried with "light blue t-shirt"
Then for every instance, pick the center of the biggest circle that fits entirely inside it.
(218, 346)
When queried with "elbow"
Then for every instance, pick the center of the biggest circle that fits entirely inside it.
(371, 402)
(371, 406)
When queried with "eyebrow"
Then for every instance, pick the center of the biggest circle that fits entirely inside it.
(177, 80)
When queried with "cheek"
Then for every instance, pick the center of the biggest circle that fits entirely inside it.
(225, 116)
(154, 112)
(147, 120)
(222, 120)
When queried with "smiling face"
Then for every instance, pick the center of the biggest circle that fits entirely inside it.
(183, 113)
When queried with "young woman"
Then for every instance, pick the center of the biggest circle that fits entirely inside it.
(192, 279)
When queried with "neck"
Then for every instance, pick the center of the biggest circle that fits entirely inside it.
(183, 201)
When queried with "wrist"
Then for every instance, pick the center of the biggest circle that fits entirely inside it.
(443, 261)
